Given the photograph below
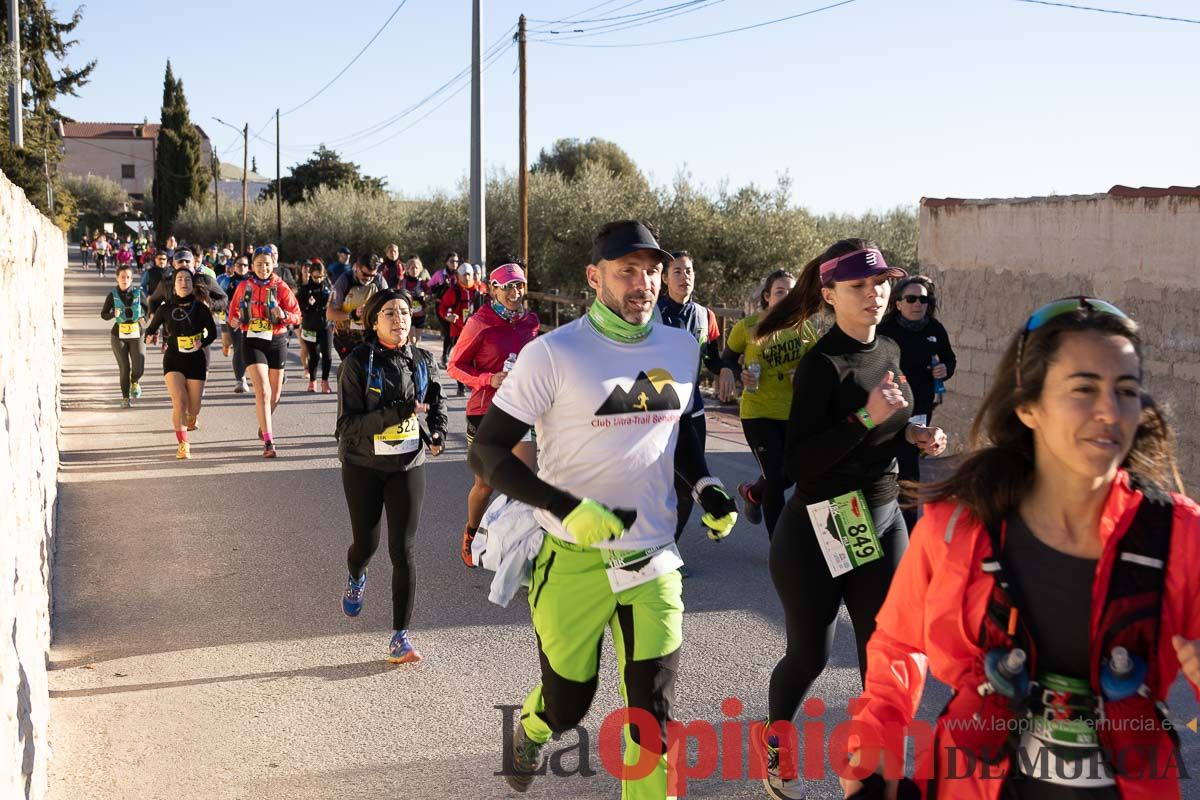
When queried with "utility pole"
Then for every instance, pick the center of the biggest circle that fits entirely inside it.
(16, 133)
(216, 169)
(523, 157)
(477, 251)
(278, 189)
(49, 185)
(245, 168)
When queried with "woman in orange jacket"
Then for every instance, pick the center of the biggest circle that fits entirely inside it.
(1053, 584)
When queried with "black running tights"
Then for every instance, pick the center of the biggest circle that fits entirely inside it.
(368, 493)
(811, 598)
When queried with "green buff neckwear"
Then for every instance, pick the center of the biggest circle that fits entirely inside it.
(609, 323)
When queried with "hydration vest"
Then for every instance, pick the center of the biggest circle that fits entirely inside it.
(264, 296)
(1137, 745)
(130, 313)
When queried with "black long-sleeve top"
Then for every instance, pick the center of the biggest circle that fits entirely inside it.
(917, 349)
(313, 298)
(829, 452)
(109, 310)
(379, 387)
(183, 316)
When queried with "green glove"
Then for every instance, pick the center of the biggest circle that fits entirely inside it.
(720, 512)
(590, 522)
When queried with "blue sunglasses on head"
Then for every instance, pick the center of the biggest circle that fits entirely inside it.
(1058, 308)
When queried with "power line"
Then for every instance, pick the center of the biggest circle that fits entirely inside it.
(571, 17)
(561, 43)
(660, 15)
(352, 61)
(1111, 11)
(636, 14)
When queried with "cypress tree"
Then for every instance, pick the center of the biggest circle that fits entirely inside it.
(179, 174)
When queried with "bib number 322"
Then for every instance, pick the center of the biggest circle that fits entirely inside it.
(845, 532)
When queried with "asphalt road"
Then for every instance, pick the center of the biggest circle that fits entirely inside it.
(199, 646)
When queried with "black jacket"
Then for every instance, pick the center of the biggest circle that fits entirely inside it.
(917, 349)
(368, 404)
(217, 300)
(313, 298)
(183, 316)
(110, 312)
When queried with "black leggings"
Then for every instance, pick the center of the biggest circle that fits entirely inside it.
(811, 598)
(368, 492)
(321, 350)
(766, 438)
(688, 426)
(131, 360)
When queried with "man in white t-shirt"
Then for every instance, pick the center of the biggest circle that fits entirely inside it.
(605, 394)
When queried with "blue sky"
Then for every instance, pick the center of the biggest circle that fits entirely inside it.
(865, 106)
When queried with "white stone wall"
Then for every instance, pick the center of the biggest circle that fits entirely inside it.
(33, 257)
(995, 261)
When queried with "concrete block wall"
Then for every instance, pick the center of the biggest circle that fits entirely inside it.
(995, 261)
(33, 258)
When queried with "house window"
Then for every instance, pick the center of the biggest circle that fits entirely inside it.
(126, 172)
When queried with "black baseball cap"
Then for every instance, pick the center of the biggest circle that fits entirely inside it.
(344, 249)
(618, 239)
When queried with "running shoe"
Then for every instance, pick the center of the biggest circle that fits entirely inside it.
(124, 402)
(240, 387)
(269, 449)
(783, 762)
(312, 386)
(465, 550)
(401, 650)
(135, 389)
(184, 451)
(352, 598)
(751, 508)
(192, 422)
(526, 761)
(325, 388)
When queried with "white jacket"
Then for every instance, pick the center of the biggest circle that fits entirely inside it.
(507, 543)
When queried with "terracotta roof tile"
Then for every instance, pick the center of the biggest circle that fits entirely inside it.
(1154, 191)
(114, 130)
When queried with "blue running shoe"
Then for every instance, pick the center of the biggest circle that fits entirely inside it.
(401, 650)
(352, 600)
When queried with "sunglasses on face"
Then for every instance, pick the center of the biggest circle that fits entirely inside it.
(508, 287)
(916, 298)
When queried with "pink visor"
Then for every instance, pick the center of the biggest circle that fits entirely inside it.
(507, 273)
(857, 265)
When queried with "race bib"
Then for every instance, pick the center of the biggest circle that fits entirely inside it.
(187, 344)
(845, 532)
(399, 439)
(629, 568)
(128, 330)
(260, 329)
(356, 326)
(308, 336)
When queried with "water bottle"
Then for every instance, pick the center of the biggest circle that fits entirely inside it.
(1006, 673)
(510, 362)
(754, 369)
(939, 386)
(1121, 675)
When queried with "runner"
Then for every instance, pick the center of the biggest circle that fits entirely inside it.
(458, 303)
(189, 330)
(442, 280)
(127, 305)
(392, 268)
(262, 308)
(341, 266)
(766, 374)
(183, 260)
(605, 393)
(678, 310)
(416, 283)
(350, 293)
(1055, 536)
(316, 334)
(926, 358)
(101, 251)
(154, 274)
(841, 440)
(124, 256)
(383, 385)
(485, 354)
(231, 338)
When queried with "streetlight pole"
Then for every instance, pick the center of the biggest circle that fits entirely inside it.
(523, 155)
(16, 132)
(478, 232)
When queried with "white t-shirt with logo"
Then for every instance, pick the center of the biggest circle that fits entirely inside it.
(607, 419)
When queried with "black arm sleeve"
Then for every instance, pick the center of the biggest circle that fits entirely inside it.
(710, 353)
(731, 360)
(945, 352)
(492, 459)
(354, 418)
(156, 320)
(436, 416)
(108, 312)
(690, 463)
(814, 441)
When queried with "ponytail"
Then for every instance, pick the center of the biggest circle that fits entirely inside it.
(805, 300)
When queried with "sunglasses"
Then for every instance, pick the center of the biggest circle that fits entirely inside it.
(508, 287)
(916, 298)
(1057, 309)
(263, 251)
